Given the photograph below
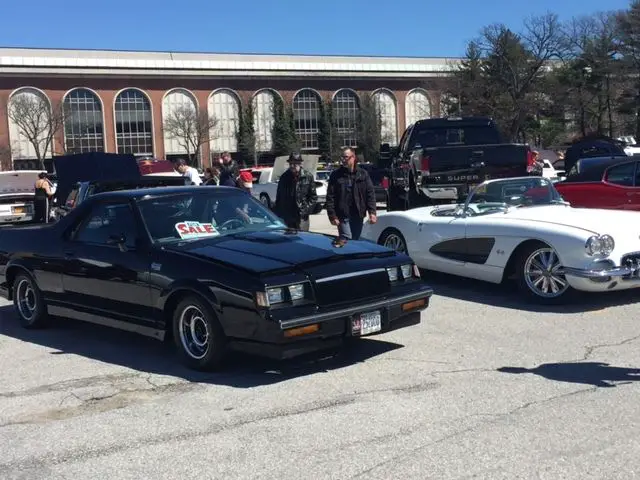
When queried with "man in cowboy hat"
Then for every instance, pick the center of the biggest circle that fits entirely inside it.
(296, 196)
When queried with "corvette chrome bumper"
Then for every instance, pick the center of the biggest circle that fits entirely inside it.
(633, 272)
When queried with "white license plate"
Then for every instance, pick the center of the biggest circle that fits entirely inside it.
(366, 323)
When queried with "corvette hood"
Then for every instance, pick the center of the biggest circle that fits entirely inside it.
(271, 250)
(594, 220)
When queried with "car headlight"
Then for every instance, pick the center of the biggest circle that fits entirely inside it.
(600, 245)
(406, 271)
(393, 274)
(275, 295)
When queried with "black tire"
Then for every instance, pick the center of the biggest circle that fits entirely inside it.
(196, 354)
(536, 252)
(265, 200)
(29, 303)
(388, 234)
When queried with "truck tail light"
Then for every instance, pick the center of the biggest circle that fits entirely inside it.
(425, 165)
(385, 183)
(531, 161)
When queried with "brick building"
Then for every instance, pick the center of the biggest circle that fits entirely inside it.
(116, 101)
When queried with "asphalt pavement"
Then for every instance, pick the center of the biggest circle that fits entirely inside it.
(485, 387)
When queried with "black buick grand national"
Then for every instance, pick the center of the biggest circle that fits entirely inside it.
(211, 268)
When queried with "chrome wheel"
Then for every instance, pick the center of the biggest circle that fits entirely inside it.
(194, 332)
(26, 300)
(395, 242)
(544, 274)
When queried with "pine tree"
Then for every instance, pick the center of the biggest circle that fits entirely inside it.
(246, 135)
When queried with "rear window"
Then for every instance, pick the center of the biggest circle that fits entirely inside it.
(425, 136)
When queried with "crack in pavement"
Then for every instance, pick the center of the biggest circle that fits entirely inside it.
(496, 417)
(56, 459)
(591, 349)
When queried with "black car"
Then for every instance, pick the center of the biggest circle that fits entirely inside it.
(210, 267)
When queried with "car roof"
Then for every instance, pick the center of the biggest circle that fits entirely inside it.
(165, 191)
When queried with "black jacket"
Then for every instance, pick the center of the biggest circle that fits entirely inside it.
(295, 199)
(229, 174)
(338, 190)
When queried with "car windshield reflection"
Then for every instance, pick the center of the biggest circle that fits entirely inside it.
(500, 195)
(186, 217)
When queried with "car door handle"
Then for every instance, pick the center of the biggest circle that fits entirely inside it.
(477, 165)
(69, 253)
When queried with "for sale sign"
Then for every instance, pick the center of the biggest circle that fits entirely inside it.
(188, 230)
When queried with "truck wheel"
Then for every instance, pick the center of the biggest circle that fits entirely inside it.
(29, 302)
(200, 340)
(264, 199)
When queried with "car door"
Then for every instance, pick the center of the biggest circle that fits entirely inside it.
(103, 277)
(443, 246)
(618, 190)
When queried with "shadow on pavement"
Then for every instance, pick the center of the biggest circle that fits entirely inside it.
(151, 356)
(588, 373)
(508, 296)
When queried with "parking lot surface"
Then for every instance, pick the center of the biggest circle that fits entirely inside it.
(484, 387)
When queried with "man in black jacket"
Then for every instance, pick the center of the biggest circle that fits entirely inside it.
(296, 195)
(350, 197)
(229, 171)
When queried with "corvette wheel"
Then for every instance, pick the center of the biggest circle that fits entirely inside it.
(541, 275)
(393, 239)
(198, 335)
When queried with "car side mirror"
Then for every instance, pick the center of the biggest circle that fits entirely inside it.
(118, 239)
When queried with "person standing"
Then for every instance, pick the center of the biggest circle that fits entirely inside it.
(350, 197)
(296, 196)
(41, 199)
(229, 171)
(211, 176)
(188, 172)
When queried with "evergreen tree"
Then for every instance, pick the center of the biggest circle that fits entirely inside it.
(246, 135)
(284, 135)
(369, 130)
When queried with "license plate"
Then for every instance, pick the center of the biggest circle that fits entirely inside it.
(366, 323)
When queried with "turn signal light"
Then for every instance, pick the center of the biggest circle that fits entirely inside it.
(413, 305)
(296, 332)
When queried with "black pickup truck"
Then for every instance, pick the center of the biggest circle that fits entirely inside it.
(440, 159)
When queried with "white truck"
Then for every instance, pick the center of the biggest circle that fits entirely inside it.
(17, 189)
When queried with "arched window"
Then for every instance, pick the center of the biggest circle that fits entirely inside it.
(224, 106)
(386, 107)
(306, 115)
(134, 127)
(346, 109)
(418, 106)
(263, 120)
(83, 122)
(179, 117)
(32, 124)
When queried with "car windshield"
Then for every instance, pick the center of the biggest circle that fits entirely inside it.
(322, 175)
(202, 214)
(500, 195)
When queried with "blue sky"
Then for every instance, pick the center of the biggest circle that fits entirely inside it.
(435, 28)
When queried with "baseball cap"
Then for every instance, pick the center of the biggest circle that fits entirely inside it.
(246, 179)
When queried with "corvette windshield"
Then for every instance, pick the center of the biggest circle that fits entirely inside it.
(204, 214)
(499, 195)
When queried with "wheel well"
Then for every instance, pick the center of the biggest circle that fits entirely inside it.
(388, 230)
(11, 274)
(172, 302)
(510, 268)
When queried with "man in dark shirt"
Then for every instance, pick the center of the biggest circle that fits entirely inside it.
(296, 195)
(229, 171)
(350, 197)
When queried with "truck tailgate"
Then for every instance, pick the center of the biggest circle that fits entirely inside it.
(464, 163)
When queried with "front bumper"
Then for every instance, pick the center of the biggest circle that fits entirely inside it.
(335, 326)
(615, 272)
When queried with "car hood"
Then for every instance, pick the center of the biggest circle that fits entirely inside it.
(18, 182)
(596, 221)
(273, 250)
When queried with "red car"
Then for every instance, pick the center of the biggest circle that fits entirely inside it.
(603, 182)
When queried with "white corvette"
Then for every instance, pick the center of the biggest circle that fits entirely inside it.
(519, 228)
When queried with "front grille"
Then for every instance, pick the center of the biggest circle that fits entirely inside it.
(351, 289)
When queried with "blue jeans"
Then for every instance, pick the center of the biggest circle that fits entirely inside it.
(351, 227)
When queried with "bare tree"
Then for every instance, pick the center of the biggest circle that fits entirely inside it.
(191, 129)
(37, 120)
